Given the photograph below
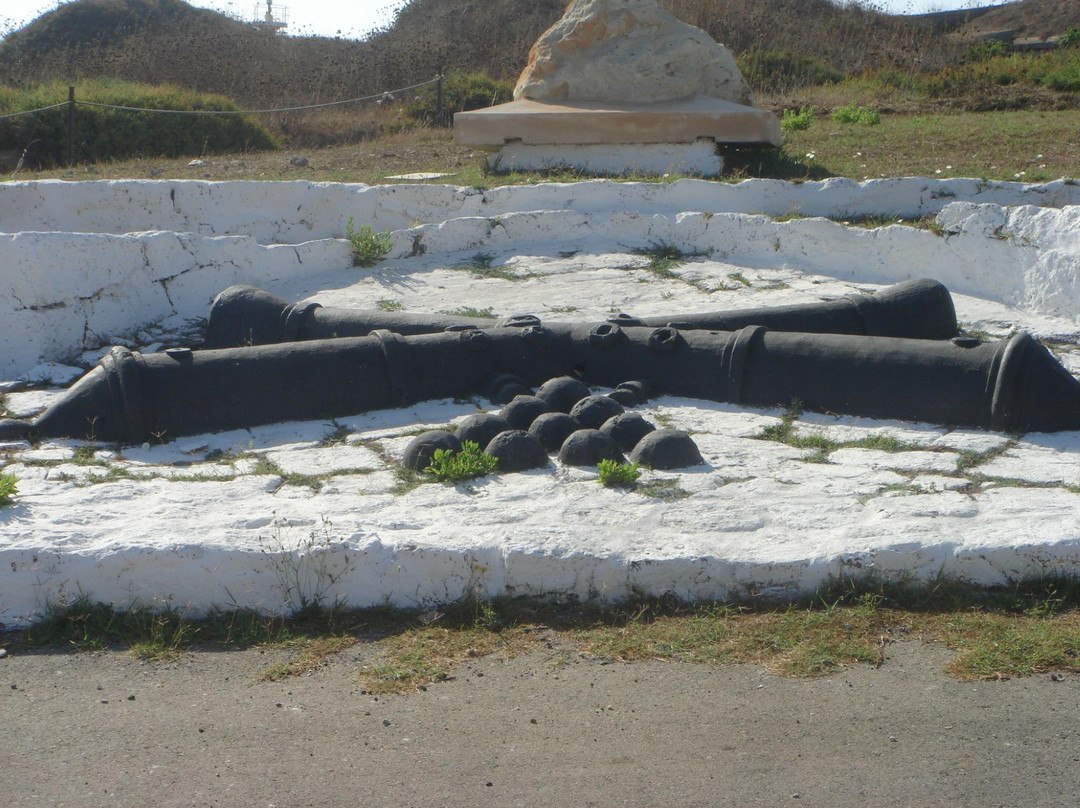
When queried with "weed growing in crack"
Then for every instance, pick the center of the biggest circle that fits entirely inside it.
(664, 257)
(472, 311)
(664, 490)
(614, 474)
(448, 466)
(368, 247)
(9, 487)
(337, 434)
(307, 568)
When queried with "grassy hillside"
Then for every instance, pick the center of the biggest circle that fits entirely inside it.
(169, 41)
(795, 53)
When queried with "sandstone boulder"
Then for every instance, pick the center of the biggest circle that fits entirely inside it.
(628, 51)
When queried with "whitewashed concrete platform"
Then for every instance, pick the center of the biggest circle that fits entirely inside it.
(273, 517)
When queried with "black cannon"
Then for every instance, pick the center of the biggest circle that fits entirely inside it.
(1014, 386)
(918, 309)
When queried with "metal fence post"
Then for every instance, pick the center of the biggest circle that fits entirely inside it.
(439, 117)
(71, 127)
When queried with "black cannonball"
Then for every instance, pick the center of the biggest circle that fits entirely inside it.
(562, 393)
(505, 386)
(627, 429)
(481, 428)
(552, 428)
(517, 450)
(632, 393)
(592, 411)
(421, 449)
(666, 449)
(523, 410)
(627, 398)
(509, 391)
(587, 447)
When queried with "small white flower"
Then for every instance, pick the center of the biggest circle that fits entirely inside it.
(1038, 156)
(937, 170)
(948, 168)
(809, 155)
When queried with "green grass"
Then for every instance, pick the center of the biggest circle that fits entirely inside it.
(795, 120)
(853, 113)
(1024, 628)
(105, 134)
(9, 488)
(1028, 145)
(664, 258)
(992, 145)
(482, 265)
(471, 311)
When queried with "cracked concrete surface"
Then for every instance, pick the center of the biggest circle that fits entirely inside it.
(192, 522)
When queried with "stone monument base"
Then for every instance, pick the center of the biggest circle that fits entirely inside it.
(698, 159)
(678, 135)
(683, 120)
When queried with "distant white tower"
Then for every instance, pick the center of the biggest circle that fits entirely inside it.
(275, 20)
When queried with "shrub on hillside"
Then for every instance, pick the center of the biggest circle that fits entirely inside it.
(461, 92)
(783, 71)
(109, 134)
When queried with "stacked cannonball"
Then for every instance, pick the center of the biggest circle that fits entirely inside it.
(562, 418)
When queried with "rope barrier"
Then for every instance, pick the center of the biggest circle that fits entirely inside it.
(32, 111)
(226, 111)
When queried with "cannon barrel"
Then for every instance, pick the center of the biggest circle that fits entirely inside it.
(1014, 386)
(918, 309)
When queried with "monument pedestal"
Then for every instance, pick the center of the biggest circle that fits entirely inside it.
(698, 159)
(679, 135)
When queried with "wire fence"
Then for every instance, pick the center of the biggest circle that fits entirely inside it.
(73, 102)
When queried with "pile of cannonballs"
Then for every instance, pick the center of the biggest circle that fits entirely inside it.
(561, 418)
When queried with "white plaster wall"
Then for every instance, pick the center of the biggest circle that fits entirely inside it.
(140, 252)
(303, 211)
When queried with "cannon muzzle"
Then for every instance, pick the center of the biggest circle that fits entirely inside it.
(919, 309)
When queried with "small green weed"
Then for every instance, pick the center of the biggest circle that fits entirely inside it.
(664, 257)
(853, 113)
(795, 120)
(389, 305)
(472, 311)
(336, 434)
(448, 466)
(9, 487)
(666, 490)
(368, 247)
(483, 266)
(618, 475)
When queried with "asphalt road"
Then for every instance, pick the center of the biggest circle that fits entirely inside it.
(104, 729)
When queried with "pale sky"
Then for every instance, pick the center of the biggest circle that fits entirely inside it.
(353, 19)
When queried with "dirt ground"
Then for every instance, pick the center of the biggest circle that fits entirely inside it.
(89, 729)
(369, 161)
